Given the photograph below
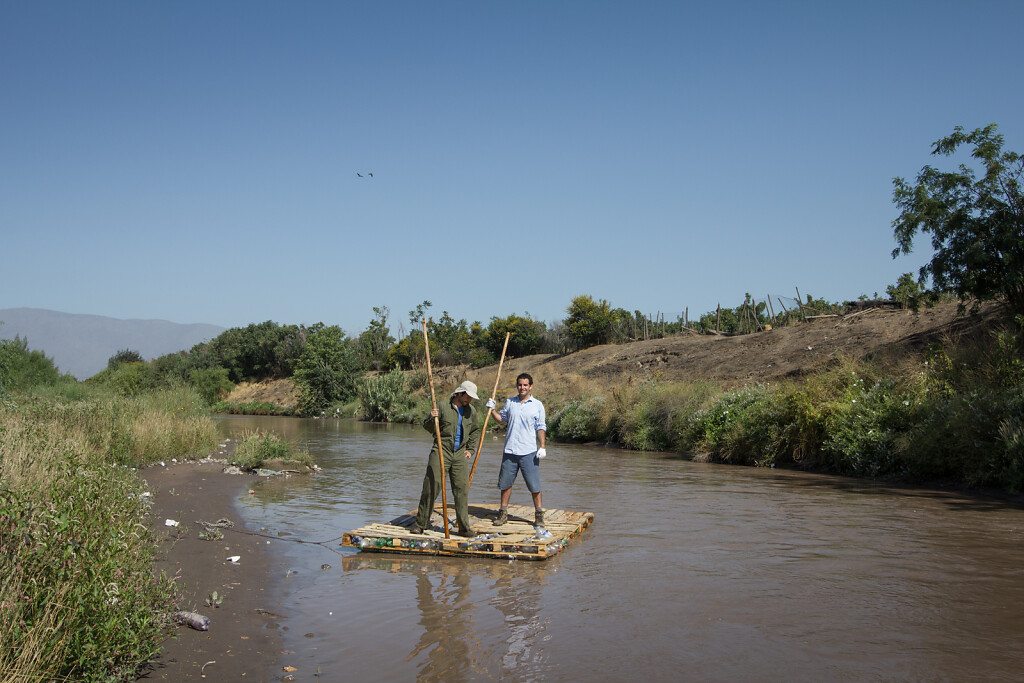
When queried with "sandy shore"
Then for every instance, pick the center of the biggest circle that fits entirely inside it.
(243, 641)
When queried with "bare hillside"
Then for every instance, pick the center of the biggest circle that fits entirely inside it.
(772, 354)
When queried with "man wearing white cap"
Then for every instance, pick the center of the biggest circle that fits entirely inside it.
(460, 432)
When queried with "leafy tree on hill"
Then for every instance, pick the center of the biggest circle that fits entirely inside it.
(527, 335)
(124, 356)
(452, 341)
(21, 368)
(976, 224)
(906, 292)
(258, 351)
(375, 341)
(589, 322)
(211, 383)
(328, 369)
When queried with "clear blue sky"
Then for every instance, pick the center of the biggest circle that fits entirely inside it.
(197, 161)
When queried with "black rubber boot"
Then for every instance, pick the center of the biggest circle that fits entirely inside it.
(538, 519)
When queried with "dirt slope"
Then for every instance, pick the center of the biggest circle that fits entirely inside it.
(782, 352)
(281, 392)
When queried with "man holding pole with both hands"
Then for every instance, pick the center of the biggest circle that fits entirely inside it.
(526, 428)
(459, 433)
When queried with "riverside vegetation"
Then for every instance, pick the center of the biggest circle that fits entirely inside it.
(78, 596)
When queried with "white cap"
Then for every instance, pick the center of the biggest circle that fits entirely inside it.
(469, 388)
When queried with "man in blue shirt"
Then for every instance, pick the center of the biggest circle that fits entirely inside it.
(526, 428)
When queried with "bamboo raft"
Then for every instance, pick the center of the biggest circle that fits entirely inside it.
(516, 540)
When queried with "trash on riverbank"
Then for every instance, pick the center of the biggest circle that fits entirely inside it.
(192, 620)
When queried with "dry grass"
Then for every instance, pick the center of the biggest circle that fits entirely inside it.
(282, 392)
(31, 657)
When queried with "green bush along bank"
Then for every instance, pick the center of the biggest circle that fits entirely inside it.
(78, 596)
(256, 448)
(955, 416)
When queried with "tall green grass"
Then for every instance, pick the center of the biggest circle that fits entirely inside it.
(384, 398)
(257, 447)
(78, 596)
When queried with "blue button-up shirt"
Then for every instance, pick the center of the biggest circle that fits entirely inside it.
(523, 421)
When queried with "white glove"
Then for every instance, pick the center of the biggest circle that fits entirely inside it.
(491, 403)
(542, 453)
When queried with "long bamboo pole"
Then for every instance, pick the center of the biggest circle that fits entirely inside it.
(487, 417)
(437, 431)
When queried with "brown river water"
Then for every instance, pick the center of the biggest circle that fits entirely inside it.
(689, 572)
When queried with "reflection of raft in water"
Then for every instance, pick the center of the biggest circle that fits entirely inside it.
(518, 539)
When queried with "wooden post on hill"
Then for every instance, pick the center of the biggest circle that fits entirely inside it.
(771, 308)
(800, 304)
(718, 317)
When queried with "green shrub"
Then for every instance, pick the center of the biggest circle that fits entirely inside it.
(384, 398)
(126, 379)
(251, 408)
(76, 561)
(21, 369)
(416, 411)
(1008, 466)
(257, 447)
(481, 357)
(1010, 355)
(417, 380)
(740, 427)
(653, 416)
(211, 383)
(956, 438)
(124, 356)
(580, 420)
(864, 427)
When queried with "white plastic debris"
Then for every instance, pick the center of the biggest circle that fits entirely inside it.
(234, 559)
(193, 620)
(170, 522)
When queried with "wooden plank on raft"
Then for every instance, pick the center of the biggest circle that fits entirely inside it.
(517, 539)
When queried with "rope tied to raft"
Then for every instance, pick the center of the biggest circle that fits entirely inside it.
(222, 523)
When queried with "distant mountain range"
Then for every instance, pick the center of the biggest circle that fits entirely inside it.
(81, 345)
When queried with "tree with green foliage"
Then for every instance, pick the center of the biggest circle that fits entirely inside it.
(417, 315)
(124, 356)
(527, 335)
(407, 353)
(258, 351)
(590, 322)
(451, 341)
(976, 223)
(375, 341)
(211, 383)
(21, 368)
(327, 370)
(906, 292)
